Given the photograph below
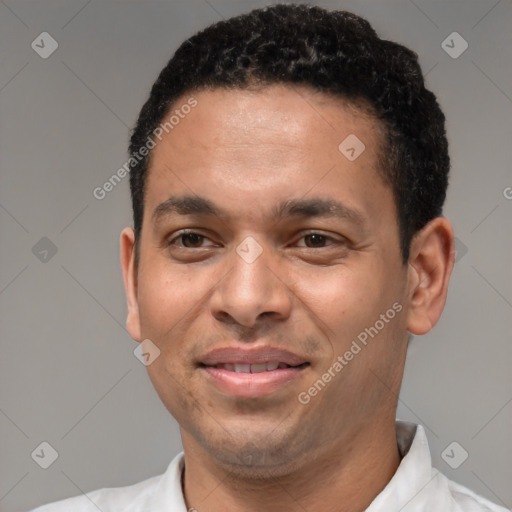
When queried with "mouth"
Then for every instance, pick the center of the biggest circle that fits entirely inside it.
(243, 373)
(254, 368)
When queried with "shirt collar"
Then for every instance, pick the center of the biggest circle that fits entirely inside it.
(169, 494)
(414, 474)
(407, 491)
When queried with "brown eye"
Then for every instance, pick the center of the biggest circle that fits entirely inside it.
(315, 240)
(191, 240)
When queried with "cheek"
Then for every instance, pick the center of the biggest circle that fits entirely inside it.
(178, 389)
(167, 295)
(172, 392)
(343, 298)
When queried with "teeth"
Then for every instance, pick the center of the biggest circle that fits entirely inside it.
(242, 368)
(252, 368)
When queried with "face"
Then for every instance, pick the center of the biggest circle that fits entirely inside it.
(270, 277)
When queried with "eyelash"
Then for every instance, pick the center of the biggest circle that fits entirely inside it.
(170, 242)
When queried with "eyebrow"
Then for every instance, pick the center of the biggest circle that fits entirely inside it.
(315, 207)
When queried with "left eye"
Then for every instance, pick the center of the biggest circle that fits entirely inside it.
(315, 240)
(189, 240)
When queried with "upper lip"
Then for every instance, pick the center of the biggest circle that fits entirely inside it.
(265, 354)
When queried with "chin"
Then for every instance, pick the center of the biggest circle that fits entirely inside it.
(258, 455)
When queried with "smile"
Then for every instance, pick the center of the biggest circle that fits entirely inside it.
(258, 371)
(254, 368)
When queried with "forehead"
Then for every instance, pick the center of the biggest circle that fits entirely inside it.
(255, 114)
(287, 139)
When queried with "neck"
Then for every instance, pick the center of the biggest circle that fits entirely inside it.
(342, 478)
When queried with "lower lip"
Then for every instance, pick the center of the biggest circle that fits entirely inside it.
(251, 385)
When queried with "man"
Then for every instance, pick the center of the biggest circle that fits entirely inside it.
(288, 173)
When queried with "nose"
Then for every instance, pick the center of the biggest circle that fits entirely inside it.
(252, 290)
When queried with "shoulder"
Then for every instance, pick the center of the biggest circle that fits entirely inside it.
(118, 499)
(417, 485)
(469, 501)
(465, 500)
(162, 492)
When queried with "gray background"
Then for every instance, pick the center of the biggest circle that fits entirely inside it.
(68, 375)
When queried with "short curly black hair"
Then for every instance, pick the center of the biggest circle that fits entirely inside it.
(334, 52)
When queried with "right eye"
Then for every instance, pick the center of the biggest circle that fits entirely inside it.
(189, 239)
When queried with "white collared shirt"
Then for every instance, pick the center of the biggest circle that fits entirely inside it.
(415, 487)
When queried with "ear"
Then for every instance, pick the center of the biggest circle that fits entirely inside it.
(431, 261)
(130, 282)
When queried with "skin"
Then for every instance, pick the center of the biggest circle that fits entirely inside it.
(246, 151)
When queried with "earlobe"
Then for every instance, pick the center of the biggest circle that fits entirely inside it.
(430, 267)
(130, 282)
